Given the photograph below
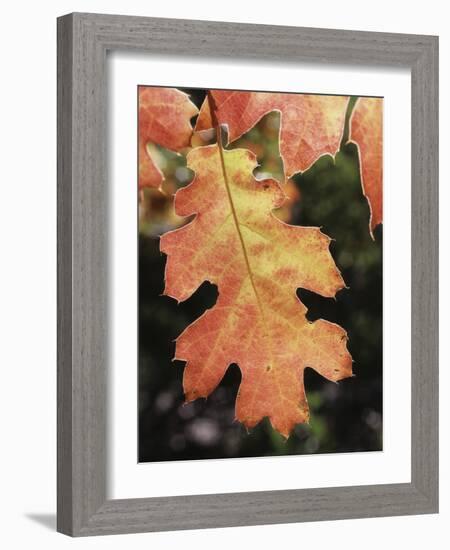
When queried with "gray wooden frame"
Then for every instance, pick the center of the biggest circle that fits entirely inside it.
(83, 40)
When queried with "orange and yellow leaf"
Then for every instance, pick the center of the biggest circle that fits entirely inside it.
(164, 119)
(257, 262)
(311, 125)
(366, 131)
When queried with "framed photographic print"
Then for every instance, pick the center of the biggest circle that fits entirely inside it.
(247, 269)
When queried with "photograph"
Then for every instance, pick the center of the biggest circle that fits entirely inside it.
(260, 291)
(221, 272)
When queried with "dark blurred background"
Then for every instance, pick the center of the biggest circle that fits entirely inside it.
(345, 417)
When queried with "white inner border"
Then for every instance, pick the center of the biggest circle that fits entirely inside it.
(127, 478)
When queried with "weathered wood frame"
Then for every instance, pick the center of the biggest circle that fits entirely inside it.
(83, 41)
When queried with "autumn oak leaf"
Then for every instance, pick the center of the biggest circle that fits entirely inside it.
(310, 126)
(257, 263)
(165, 120)
(366, 131)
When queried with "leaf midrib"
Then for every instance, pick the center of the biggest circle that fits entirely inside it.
(244, 248)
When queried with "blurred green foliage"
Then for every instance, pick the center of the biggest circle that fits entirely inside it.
(345, 417)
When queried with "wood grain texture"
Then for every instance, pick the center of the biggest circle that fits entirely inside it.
(64, 300)
(83, 40)
(425, 272)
